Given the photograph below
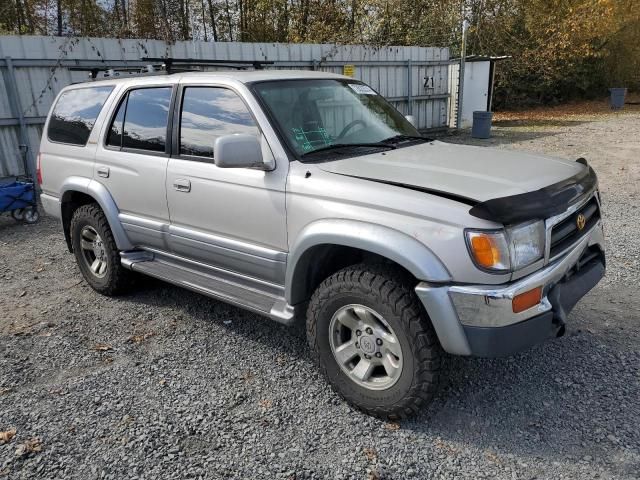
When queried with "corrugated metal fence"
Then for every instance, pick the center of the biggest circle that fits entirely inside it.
(34, 69)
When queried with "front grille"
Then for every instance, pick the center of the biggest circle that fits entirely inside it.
(566, 233)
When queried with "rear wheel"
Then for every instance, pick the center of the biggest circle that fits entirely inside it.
(373, 341)
(96, 252)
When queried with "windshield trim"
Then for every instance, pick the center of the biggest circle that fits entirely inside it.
(282, 137)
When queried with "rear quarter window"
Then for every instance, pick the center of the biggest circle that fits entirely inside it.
(75, 114)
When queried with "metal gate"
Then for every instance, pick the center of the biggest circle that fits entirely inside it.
(34, 69)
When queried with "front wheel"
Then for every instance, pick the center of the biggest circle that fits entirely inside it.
(373, 341)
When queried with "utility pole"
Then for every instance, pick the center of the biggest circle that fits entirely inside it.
(463, 54)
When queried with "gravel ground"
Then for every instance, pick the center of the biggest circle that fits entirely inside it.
(165, 383)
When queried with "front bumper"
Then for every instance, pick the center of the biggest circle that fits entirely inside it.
(479, 319)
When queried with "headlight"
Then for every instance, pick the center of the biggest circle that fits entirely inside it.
(509, 249)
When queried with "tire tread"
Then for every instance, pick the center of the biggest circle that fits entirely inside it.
(386, 282)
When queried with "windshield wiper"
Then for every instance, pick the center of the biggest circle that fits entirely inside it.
(403, 138)
(337, 146)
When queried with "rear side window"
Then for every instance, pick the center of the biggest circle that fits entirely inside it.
(141, 120)
(75, 114)
(208, 113)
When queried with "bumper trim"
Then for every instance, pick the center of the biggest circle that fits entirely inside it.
(473, 319)
(51, 205)
(491, 306)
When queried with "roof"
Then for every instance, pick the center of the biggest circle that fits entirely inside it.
(243, 76)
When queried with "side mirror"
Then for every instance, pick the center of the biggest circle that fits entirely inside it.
(238, 150)
(411, 119)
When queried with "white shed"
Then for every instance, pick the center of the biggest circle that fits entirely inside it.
(478, 86)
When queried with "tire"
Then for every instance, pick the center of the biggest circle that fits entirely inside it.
(18, 214)
(32, 215)
(384, 297)
(108, 277)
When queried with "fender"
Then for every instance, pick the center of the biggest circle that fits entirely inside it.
(102, 196)
(399, 247)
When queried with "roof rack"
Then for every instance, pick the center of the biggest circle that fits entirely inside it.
(159, 66)
(119, 71)
(180, 64)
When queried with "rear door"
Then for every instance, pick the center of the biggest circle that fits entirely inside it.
(131, 162)
(231, 218)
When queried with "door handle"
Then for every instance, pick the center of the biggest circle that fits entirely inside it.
(182, 185)
(103, 172)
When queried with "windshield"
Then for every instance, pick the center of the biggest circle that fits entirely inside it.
(316, 114)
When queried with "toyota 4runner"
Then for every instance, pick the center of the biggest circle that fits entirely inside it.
(306, 195)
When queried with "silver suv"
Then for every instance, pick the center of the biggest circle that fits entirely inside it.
(306, 195)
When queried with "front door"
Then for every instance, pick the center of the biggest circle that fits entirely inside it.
(230, 218)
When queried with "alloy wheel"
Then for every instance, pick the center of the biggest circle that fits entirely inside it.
(365, 347)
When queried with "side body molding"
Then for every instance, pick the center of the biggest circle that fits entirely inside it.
(102, 196)
(387, 242)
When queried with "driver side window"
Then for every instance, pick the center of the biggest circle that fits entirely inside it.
(208, 113)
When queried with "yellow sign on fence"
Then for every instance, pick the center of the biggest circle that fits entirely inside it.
(349, 70)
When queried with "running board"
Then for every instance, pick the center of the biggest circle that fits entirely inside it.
(218, 284)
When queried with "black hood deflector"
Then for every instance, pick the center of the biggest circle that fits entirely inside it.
(539, 204)
(536, 205)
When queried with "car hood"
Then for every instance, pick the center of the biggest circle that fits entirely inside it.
(477, 174)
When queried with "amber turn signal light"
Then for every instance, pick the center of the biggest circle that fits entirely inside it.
(526, 300)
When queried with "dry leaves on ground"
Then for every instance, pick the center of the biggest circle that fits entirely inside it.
(33, 445)
(583, 109)
(101, 347)
(373, 475)
(370, 453)
(139, 337)
(266, 404)
(392, 426)
(7, 435)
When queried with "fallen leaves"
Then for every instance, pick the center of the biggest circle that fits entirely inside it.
(5, 390)
(102, 347)
(580, 110)
(265, 404)
(370, 453)
(139, 337)
(32, 445)
(373, 475)
(493, 457)
(446, 447)
(393, 426)
(7, 435)
(136, 338)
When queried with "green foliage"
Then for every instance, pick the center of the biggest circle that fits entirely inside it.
(560, 49)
